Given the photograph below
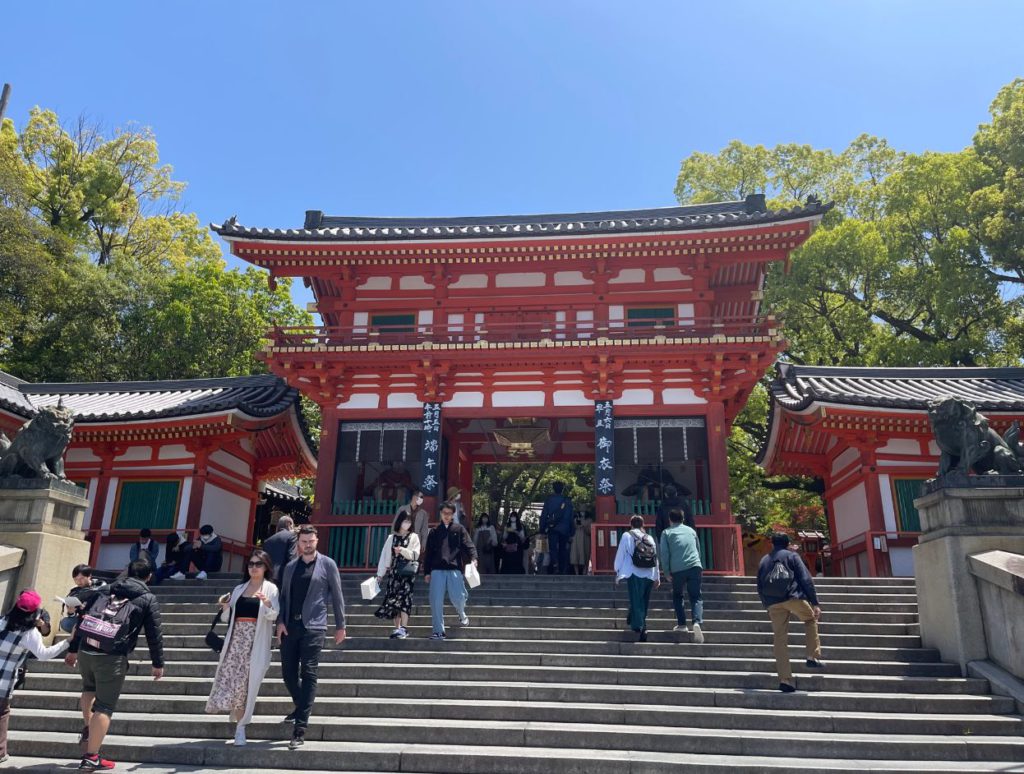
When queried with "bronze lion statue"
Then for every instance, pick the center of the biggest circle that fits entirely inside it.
(967, 443)
(38, 449)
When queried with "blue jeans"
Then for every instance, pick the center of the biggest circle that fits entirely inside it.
(454, 582)
(559, 545)
(690, 580)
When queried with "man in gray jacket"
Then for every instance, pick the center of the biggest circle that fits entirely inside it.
(308, 583)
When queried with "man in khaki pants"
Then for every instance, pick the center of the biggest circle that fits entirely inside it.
(786, 590)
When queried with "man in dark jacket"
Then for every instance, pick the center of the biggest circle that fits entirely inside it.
(281, 546)
(208, 552)
(449, 550)
(103, 670)
(786, 589)
(672, 501)
(556, 522)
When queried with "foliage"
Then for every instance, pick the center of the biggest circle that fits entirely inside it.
(499, 489)
(920, 262)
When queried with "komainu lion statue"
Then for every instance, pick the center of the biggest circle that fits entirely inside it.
(967, 443)
(38, 449)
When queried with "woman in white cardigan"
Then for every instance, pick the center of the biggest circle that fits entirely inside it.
(252, 609)
(397, 571)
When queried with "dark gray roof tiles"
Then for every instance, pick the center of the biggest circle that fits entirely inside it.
(11, 397)
(992, 389)
(320, 227)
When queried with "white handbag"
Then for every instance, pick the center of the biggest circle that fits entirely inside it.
(370, 587)
(472, 576)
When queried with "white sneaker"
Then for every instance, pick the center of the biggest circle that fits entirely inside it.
(464, 619)
(680, 628)
(240, 736)
(698, 635)
(178, 576)
(201, 575)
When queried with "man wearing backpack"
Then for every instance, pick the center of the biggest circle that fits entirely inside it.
(101, 644)
(786, 590)
(637, 561)
(556, 522)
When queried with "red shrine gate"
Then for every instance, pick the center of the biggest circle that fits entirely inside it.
(628, 339)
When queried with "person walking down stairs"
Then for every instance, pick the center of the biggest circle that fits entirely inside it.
(396, 571)
(449, 550)
(308, 584)
(251, 612)
(786, 590)
(680, 559)
(19, 637)
(636, 560)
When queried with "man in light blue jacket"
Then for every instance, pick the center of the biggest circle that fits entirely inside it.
(680, 559)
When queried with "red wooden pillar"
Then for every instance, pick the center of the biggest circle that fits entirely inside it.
(323, 499)
(876, 515)
(200, 473)
(99, 505)
(718, 463)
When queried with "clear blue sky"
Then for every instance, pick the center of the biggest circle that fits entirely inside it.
(267, 109)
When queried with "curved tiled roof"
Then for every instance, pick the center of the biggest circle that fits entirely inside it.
(320, 227)
(993, 389)
(11, 397)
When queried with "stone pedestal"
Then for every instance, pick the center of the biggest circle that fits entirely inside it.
(956, 523)
(45, 519)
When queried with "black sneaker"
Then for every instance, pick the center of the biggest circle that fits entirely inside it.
(643, 636)
(95, 763)
(298, 739)
(787, 688)
(289, 718)
(813, 663)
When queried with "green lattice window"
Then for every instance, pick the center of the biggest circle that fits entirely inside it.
(645, 317)
(907, 489)
(393, 323)
(152, 504)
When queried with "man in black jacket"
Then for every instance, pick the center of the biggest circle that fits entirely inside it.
(281, 546)
(103, 669)
(786, 589)
(449, 550)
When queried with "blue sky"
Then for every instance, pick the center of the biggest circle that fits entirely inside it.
(267, 109)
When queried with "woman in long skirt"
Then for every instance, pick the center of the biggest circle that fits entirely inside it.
(579, 551)
(251, 610)
(396, 574)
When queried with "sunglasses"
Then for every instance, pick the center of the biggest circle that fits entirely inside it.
(255, 564)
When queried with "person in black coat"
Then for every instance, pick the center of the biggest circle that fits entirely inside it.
(281, 546)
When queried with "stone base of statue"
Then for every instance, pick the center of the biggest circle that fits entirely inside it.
(955, 523)
(44, 517)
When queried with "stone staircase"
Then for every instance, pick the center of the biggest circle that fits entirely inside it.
(546, 678)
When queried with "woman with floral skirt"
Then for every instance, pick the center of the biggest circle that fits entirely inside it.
(396, 573)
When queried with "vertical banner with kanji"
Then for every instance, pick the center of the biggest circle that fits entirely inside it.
(431, 448)
(604, 448)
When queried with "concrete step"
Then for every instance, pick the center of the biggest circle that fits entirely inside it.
(628, 737)
(438, 758)
(269, 712)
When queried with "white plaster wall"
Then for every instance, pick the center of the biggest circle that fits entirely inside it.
(685, 312)
(469, 281)
(529, 279)
(510, 398)
(628, 276)
(670, 274)
(136, 454)
(176, 451)
(851, 513)
(888, 507)
(643, 397)
(363, 401)
(571, 398)
(398, 400)
(231, 462)
(425, 317)
(376, 283)
(114, 556)
(933, 449)
(465, 400)
(226, 512)
(414, 282)
(80, 455)
(91, 494)
(901, 446)
(616, 314)
(680, 396)
(564, 278)
(360, 322)
(108, 509)
(923, 463)
(844, 460)
(902, 562)
(186, 494)
(455, 322)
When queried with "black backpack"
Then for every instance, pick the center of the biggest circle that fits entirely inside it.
(108, 624)
(644, 552)
(779, 579)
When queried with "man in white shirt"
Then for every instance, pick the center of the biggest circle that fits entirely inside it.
(637, 561)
